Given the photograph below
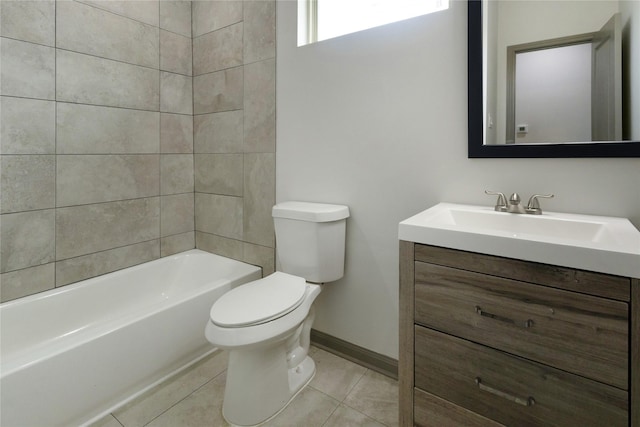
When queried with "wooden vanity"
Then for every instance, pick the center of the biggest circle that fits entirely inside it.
(493, 341)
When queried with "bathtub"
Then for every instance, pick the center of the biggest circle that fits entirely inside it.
(71, 355)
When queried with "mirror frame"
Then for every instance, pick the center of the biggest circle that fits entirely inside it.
(477, 148)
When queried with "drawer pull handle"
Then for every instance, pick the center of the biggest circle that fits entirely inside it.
(528, 401)
(526, 324)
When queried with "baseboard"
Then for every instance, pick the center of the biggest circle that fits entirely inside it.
(360, 355)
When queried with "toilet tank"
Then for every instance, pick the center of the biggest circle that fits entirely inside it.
(310, 239)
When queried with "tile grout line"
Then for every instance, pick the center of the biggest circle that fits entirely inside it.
(55, 145)
(184, 398)
(355, 385)
(343, 402)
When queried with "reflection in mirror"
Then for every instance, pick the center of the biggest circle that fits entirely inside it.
(556, 78)
(566, 90)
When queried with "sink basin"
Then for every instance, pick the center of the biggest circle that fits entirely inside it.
(595, 243)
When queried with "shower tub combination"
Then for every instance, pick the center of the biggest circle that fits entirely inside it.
(71, 355)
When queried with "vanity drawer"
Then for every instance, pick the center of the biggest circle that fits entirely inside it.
(432, 411)
(578, 333)
(570, 279)
(511, 390)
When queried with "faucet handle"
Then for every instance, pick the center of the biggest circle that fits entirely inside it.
(514, 199)
(501, 203)
(533, 207)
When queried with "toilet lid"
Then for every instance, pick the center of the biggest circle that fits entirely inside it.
(259, 301)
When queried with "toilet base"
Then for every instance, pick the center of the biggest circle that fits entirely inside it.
(260, 385)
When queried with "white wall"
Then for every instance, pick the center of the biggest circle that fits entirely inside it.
(553, 94)
(630, 11)
(528, 21)
(378, 121)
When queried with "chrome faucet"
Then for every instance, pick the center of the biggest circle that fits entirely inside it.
(533, 207)
(514, 204)
(501, 203)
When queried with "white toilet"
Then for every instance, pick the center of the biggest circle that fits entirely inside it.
(265, 324)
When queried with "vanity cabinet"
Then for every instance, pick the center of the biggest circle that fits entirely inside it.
(493, 341)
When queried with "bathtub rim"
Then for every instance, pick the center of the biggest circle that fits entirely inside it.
(24, 358)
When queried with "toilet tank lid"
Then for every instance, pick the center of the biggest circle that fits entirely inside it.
(312, 212)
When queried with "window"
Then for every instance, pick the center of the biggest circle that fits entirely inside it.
(324, 19)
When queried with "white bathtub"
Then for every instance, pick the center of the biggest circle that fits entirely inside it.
(73, 354)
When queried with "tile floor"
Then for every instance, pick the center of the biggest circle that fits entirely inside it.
(342, 394)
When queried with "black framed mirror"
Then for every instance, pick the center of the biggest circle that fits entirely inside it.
(478, 148)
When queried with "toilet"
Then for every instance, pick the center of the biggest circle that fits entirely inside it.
(265, 324)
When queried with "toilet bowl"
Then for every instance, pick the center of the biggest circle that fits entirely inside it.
(233, 324)
(268, 359)
(265, 325)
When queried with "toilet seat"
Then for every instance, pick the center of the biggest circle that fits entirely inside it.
(259, 302)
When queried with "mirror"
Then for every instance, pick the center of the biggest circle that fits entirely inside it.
(516, 108)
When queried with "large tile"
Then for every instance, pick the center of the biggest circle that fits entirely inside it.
(335, 376)
(176, 243)
(219, 174)
(32, 21)
(176, 133)
(29, 281)
(102, 178)
(230, 248)
(218, 132)
(221, 215)
(212, 15)
(260, 107)
(176, 173)
(27, 239)
(376, 395)
(348, 417)
(219, 91)
(201, 408)
(108, 421)
(86, 29)
(259, 255)
(176, 93)
(27, 126)
(259, 198)
(162, 397)
(218, 50)
(146, 11)
(89, 129)
(90, 80)
(259, 30)
(175, 53)
(92, 265)
(309, 408)
(176, 214)
(175, 16)
(27, 182)
(28, 70)
(82, 230)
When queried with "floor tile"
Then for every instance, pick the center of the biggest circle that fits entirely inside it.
(342, 394)
(348, 417)
(201, 409)
(335, 376)
(108, 421)
(376, 395)
(160, 398)
(310, 408)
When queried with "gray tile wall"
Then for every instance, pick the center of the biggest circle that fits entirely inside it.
(234, 128)
(96, 127)
(131, 131)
